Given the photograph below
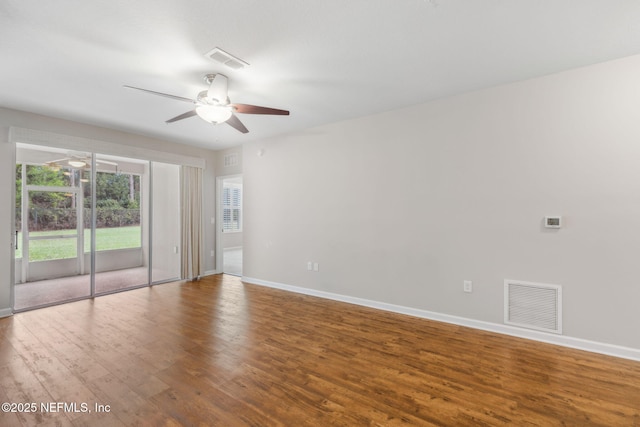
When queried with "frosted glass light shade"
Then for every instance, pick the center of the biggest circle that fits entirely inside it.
(214, 113)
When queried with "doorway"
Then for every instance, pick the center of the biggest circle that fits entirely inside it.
(230, 211)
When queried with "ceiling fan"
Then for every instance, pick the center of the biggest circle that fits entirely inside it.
(213, 105)
(77, 162)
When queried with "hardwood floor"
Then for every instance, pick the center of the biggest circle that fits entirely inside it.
(222, 353)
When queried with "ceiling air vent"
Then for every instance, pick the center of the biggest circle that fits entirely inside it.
(225, 58)
(533, 305)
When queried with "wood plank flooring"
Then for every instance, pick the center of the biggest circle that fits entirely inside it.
(222, 353)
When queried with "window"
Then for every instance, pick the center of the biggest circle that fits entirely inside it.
(232, 207)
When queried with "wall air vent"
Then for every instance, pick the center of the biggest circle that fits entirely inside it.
(225, 58)
(231, 159)
(533, 305)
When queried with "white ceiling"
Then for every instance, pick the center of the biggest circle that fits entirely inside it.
(324, 60)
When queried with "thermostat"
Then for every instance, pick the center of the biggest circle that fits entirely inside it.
(553, 221)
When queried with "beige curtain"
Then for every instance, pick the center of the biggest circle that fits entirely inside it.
(191, 207)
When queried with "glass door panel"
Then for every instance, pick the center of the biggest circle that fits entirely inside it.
(121, 251)
(50, 196)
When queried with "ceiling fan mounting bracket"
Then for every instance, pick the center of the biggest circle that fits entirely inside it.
(203, 99)
(208, 78)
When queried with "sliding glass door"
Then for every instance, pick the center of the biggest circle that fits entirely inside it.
(90, 224)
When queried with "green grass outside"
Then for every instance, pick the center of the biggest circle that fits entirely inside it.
(106, 239)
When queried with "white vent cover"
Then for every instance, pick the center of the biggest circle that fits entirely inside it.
(230, 159)
(533, 305)
(225, 58)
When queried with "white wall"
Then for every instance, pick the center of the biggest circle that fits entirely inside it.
(402, 207)
(21, 119)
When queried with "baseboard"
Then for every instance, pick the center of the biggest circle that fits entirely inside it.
(210, 273)
(562, 340)
(6, 312)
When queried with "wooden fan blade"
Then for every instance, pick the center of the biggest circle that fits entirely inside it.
(254, 109)
(235, 123)
(166, 95)
(182, 116)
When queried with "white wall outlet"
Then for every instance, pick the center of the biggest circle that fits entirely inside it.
(467, 286)
(316, 266)
(309, 266)
(213, 253)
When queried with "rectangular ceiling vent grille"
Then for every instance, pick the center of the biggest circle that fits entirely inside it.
(230, 160)
(225, 58)
(533, 305)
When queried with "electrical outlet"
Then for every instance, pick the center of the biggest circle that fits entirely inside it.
(467, 286)
(309, 266)
(316, 266)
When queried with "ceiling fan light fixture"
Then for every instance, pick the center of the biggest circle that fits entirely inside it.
(214, 113)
